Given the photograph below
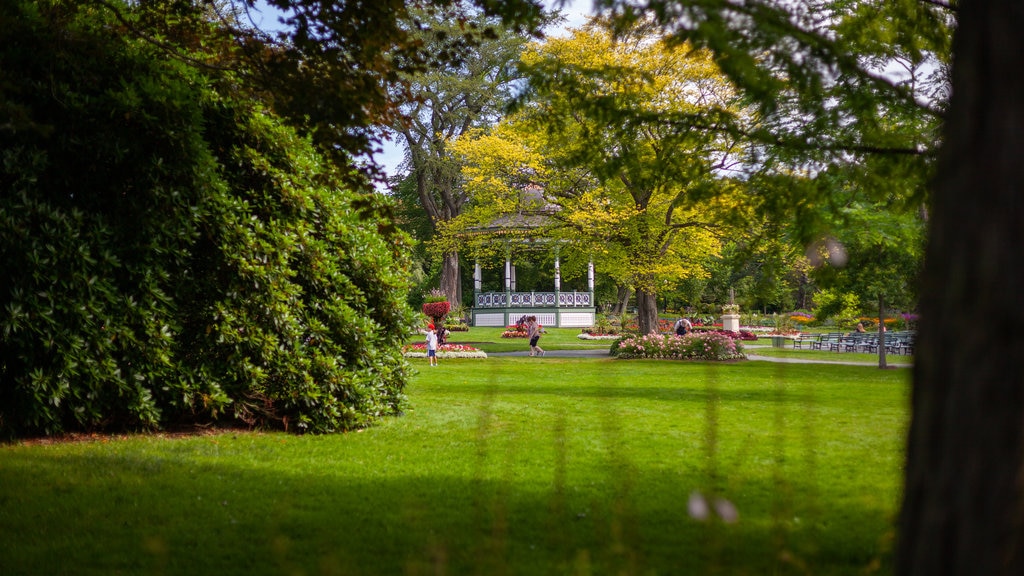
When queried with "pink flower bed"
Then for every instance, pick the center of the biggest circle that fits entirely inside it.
(694, 346)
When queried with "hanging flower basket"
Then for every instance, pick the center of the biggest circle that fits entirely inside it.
(437, 310)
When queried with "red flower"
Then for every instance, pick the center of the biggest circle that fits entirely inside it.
(437, 309)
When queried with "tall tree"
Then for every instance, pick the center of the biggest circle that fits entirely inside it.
(466, 90)
(638, 189)
(963, 510)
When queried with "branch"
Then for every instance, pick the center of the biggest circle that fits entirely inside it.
(169, 49)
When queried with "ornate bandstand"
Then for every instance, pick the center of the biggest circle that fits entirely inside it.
(564, 309)
(557, 308)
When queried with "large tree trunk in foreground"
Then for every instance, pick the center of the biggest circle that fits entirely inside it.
(647, 311)
(963, 510)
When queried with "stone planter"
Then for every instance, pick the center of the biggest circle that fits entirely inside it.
(731, 322)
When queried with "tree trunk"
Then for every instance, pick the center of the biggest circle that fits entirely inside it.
(963, 511)
(622, 301)
(451, 282)
(647, 311)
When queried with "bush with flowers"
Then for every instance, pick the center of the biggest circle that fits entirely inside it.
(419, 350)
(801, 317)
(515, 331)
(693, 346)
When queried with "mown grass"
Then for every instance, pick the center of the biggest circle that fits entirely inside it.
(506, 465)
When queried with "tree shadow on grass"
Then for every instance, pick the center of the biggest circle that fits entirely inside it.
(699, 394)
(163, 513)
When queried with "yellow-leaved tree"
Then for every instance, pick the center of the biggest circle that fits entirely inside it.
(647, 195)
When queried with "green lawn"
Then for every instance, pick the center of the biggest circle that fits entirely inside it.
(506, 465)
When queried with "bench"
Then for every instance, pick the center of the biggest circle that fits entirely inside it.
(800, 339)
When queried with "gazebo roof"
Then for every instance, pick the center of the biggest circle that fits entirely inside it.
(534, 211)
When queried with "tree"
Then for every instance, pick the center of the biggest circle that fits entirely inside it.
(332, 68)
(881, 258)
(173, 252)
(764, 267)
(625, 192)
(466, 90)
(962, 509)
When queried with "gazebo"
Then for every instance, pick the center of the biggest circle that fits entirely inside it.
(570, 309)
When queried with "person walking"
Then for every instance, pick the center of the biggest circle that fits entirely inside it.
(431, 345)
(533, 330)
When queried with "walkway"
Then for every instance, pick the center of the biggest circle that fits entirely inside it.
(603, 353)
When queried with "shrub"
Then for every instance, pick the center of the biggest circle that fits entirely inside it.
(694, 346)
(843, 307)
(174, 255)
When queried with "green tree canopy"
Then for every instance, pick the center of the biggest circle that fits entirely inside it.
(643, 198)
(173, 252)
(468, 89)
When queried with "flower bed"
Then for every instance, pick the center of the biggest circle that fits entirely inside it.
(695, 346)
(443, 351)
(513, 331)
(592, 336)
(743, 334)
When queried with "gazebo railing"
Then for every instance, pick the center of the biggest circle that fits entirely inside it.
(534, 299)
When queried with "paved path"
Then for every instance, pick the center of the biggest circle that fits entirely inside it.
(751, 355)
(587, 353)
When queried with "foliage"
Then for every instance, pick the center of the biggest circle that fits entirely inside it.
(844, 115)
(693, 346)
(622, 193)
(844, 307)
(465, 90)
(602, 325)
(174, 254)
(435, 295)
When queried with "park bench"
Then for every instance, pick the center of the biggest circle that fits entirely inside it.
(831, 342)
(801, 339)
(900, 343)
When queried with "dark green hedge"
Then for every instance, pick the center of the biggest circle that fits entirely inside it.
(172, 253)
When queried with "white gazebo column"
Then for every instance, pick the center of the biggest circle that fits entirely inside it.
(508, 289)
(590, 278)
(558, 277)
(478, 279)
